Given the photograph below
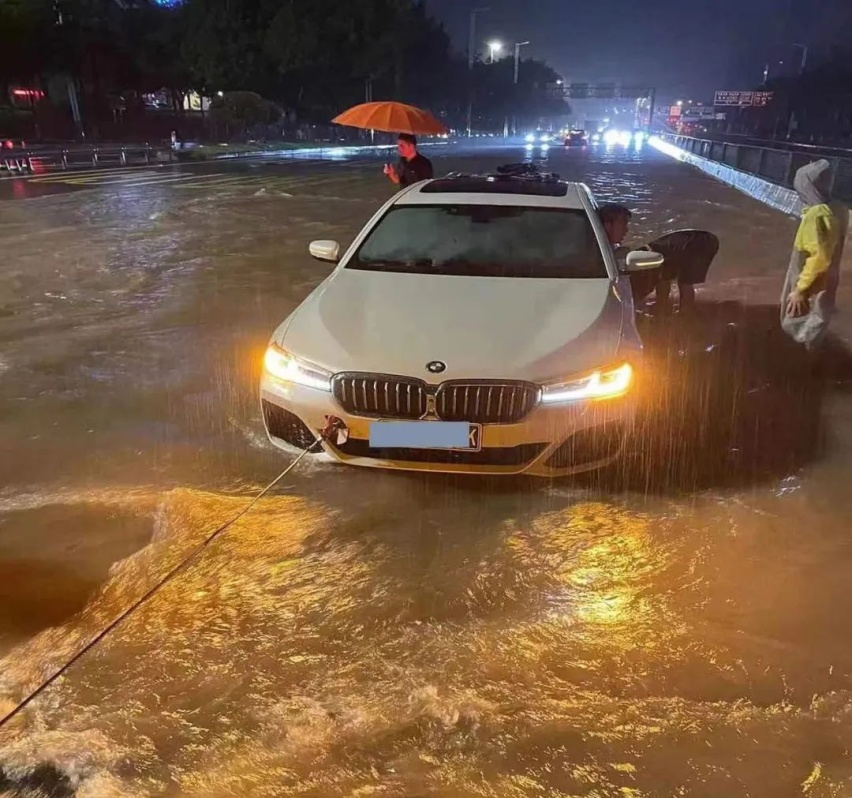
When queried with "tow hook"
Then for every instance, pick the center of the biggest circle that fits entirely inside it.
(335, 431)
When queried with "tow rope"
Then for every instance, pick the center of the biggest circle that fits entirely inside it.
(332, 426)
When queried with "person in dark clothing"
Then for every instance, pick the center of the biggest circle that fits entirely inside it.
(616, 223)
(412, 167)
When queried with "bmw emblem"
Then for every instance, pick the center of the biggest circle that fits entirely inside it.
(436, 367)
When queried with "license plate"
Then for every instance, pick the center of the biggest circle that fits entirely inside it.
(456, 435)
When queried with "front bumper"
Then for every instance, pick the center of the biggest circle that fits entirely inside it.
(552, 441)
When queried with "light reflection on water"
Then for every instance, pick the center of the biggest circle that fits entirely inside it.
(363, 633)
(537, 653)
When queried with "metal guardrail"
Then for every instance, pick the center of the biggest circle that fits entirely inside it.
(44, 159)
(778, 166)
(820, 149)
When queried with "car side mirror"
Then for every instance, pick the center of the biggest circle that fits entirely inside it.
(325, 250)
(642, 261)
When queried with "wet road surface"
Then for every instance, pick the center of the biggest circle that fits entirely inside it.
(673, 626)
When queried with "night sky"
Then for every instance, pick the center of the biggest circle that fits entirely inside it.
(685, 49)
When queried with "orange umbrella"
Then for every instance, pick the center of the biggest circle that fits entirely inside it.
(391, 117)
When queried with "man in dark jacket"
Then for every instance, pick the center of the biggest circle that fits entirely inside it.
(412, 167)
(616, 223)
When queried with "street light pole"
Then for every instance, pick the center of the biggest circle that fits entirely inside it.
(69, 81)
(471, 56)
(518, 46)
(804, 63)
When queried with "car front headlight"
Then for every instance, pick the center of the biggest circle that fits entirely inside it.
(286, 367)
(530, 138)
(602, 384)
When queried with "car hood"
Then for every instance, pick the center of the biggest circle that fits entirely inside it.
(481, 327)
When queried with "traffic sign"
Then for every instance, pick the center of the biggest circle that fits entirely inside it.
(743, 99)
(601, 91)
(699, 112)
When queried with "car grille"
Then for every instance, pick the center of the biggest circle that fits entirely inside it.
(404, 398)
(376, 395)
(485, 402)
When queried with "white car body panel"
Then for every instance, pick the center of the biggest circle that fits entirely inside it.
(534, 330)
(400, 322)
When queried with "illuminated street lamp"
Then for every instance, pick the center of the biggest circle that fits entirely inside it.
(494, 48)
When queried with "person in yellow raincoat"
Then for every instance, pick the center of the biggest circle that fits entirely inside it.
(810, 290)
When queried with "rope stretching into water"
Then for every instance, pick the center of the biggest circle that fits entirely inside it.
(164, 581)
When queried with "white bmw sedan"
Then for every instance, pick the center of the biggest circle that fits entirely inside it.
(476, 325)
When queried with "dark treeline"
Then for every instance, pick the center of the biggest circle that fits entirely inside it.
(307, 59)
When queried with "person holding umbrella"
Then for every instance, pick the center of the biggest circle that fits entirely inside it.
(406, 120)
(412, 167)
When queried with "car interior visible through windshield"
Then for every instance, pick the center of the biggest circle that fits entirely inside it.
(484, 241)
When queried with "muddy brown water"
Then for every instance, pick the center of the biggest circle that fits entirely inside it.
(675, 625)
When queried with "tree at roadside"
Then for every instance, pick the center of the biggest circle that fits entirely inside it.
(241, 111)
(499, 100)
(312, 57)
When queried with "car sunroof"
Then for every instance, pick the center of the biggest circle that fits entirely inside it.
(497, 185)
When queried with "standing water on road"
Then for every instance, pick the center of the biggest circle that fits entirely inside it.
(671, 627)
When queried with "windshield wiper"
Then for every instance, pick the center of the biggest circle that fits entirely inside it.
(395, 264)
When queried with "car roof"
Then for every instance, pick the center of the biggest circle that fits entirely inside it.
(496, 190)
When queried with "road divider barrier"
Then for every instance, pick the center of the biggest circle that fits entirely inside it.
(763, 172)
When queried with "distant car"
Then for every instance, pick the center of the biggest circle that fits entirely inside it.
(577, 138)
(539, 137)
(487, 307)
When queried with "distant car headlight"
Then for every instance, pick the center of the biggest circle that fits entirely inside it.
(602, 384)
(546, 137)
(611, 138)
(288, 368)
(530, 138)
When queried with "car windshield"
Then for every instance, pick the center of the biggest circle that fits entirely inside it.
(483, 241)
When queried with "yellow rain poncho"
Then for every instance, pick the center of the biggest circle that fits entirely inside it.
(814, 269)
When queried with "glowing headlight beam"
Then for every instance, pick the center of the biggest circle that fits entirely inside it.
(604, 384)
(611, 138)
(285, 367)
